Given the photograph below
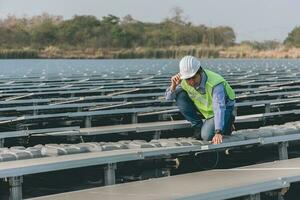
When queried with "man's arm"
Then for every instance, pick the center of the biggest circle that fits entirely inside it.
(219, 106)
(170, 93)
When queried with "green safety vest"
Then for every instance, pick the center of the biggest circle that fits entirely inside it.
(204, 101)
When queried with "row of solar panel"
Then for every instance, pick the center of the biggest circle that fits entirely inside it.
(19, 153)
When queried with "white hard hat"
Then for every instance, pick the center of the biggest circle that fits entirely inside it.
(188, 67)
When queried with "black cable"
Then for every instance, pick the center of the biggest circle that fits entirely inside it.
(217, 157)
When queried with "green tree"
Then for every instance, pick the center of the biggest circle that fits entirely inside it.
(222, 35)
(77, 31)
(14, 37)
(87, 31)
(44, 34)
(293, 38)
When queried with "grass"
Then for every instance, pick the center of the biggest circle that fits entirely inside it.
(237, 51)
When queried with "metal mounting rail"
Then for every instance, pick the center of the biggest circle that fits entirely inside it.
(206, 185)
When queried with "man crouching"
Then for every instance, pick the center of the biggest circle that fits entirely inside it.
(197, 90)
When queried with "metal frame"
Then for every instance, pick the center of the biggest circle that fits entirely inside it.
(109, 174)
(243, 183)
(15, 188)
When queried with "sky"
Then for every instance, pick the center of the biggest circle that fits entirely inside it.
(255, 20)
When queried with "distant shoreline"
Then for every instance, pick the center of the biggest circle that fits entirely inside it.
(238, 51)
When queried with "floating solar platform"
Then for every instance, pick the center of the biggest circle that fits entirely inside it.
(128, 96)
(213, 184)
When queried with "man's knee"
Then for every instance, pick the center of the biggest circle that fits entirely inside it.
(182, 98)
(188, 109)
(208, 130)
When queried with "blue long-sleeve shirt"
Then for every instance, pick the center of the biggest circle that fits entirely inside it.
(220, 100)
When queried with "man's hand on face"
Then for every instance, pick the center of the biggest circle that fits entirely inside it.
(217, 139)
(175, 80)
